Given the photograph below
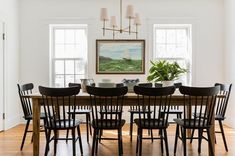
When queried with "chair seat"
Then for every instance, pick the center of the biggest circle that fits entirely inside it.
(152, 124)
(30, 117)
(190, 123)
(80, 111)
(107, 124)
(67, 124)
(141, 111)
(219, 117)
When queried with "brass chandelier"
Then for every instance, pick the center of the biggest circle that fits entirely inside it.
(135, 18)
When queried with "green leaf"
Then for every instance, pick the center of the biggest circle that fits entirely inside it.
(163, 70)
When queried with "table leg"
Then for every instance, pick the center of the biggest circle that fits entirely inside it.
(36, 126)
(189, 114)
(212, 135)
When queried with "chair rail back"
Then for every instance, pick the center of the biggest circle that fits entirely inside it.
(26, 102)
(147, 85)
(202, 103)
(106, 105)
(222, 103)
(159, 99)
(58, 104)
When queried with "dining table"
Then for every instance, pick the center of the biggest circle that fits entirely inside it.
(83, 98)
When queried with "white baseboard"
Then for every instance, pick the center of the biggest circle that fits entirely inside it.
(11, 122)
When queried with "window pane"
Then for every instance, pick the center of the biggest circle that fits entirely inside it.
(171, 50)
(69, 79)
(59, 67)
(59, 80)
(78, 78)
(59, 36)
(69, 36)
(181, 36)
(78, 52)
(161, 50)
(69, 67)
(59, 51)
(80, 34)
(69, 50)
(79, 67)
(181, 51)
(171, 36)
(161, 36)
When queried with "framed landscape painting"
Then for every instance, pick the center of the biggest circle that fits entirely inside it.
(120, 56)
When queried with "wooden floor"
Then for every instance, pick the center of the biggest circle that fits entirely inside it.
(10, 144)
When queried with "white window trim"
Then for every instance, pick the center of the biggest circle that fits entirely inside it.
(52, 28)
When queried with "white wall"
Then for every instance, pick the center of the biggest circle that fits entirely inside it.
(205, 15)
(230, 55)
(9, 15)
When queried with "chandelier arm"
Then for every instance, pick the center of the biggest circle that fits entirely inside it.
(112, 29)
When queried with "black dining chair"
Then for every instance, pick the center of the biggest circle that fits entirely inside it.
(26, 104)
(82, 110)
(157, 98)
(221, 107)
(134, 110)
(58, 103)
(107, 109)
(202, 102)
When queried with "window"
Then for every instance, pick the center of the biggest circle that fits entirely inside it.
(68, 49)
(173, 42)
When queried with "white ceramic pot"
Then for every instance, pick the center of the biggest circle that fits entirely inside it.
(85, 82)
(167, 83)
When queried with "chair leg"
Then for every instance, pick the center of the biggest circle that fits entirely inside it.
(87, 128)
(140, 142)
(176, 138)
(89, 119)
(119, 143)
(45, 128)
(184, 141)
(210, 142)
(25, 132)
(151, 134)
(121, 140)
(67, 135)
(97, 144)
(80, 139)
(74, 142)
(47, 142)
(161, 139)
(100, 133)
(192, 135)
(137, 140)
(55, 141)
(94, 142)
(200, 131)
(131, 125)
(32, 138)
(166, 142)
(223, 135)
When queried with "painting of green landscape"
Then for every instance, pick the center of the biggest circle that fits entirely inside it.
(120, 56)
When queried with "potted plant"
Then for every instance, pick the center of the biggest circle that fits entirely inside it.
(165, 72)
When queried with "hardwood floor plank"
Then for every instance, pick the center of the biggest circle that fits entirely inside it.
(10, 141)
